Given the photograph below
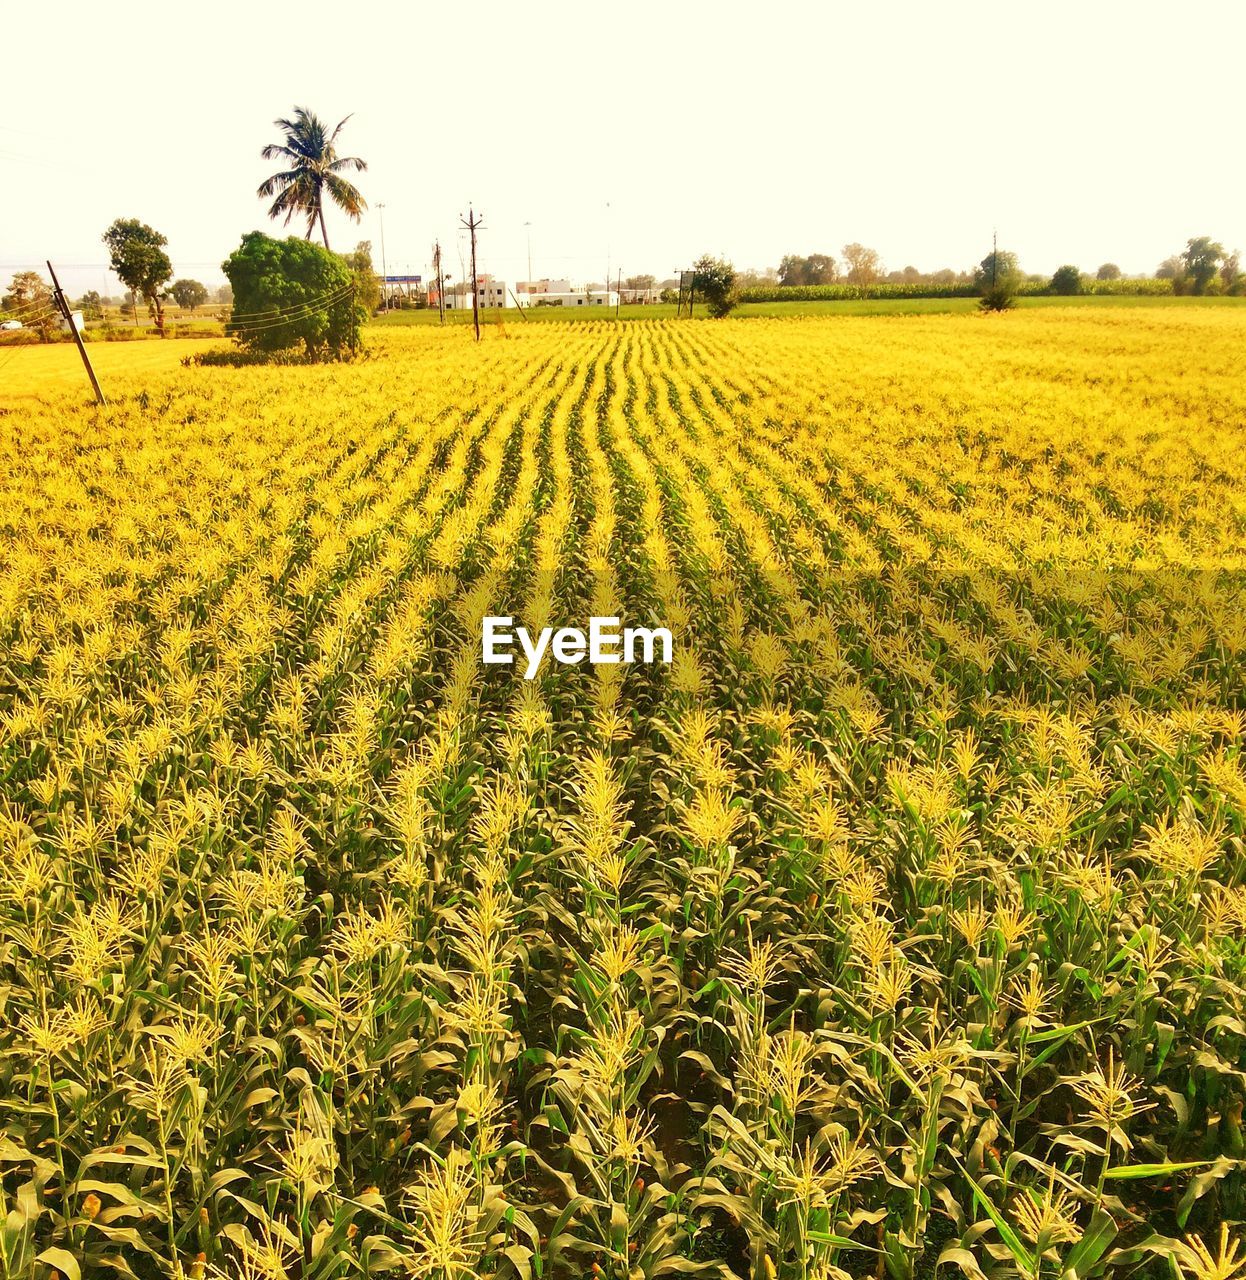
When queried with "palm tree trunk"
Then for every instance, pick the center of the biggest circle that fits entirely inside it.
(323, 232)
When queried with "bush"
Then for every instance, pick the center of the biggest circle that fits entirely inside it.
(291, 291)
(1000, 296)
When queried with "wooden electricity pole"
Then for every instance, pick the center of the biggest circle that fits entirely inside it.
(472, 223)
(441, 284)
(63, 303)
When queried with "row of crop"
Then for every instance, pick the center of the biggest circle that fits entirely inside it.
(774, 957)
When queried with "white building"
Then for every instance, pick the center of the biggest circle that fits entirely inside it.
(77, 319)
(492, 293)
(543, 286)
(577, 298)
(586, 298)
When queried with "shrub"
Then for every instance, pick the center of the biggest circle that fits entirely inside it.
(1000, 296)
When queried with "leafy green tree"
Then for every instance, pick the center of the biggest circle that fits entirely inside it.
(91, 305)
(314, 169)
(29, 299)
(140, 262)
(188, 294)
(368, 282)
(1109, 271)
(714, 280)
(288, 292)
(1067, 281)
(996, 268)
(223, 294)
(1202, 261)
(997, 278)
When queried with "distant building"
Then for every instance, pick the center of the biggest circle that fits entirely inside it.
(578, 298)
(543, 286)
(77, 319)
(496, 293)
(491, 293)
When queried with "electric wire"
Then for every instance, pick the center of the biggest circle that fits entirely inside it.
(27, 321)
(18, 312)
(272, 321)
(271, 312)
(17, 347)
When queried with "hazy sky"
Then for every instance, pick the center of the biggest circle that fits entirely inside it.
(636, 134)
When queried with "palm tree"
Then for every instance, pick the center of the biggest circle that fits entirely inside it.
(315, 168)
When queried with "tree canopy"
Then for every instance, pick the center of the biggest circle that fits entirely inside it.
(864, 265)
(714, 279)
(817, 268)
(314, 168)
(1067, 280)
(288, 292)
(29, 299)
(368, 283)
(189, 294)
(1202, 258)
(138, 259)
(998, 266)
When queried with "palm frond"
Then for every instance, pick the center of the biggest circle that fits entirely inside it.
(345, 195)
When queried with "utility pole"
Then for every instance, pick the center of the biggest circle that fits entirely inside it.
(472, 223)
(441, 284)
(380, 208)
(62, 302)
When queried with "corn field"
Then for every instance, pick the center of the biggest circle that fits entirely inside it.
(897, 926)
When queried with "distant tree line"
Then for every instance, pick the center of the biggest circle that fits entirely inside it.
(1203, 267)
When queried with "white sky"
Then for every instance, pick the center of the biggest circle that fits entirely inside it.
(639, 134)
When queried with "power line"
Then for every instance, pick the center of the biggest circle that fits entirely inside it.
(306, 310)
(29, 318)
(270, 312)
(326, 298)
(17, 346)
